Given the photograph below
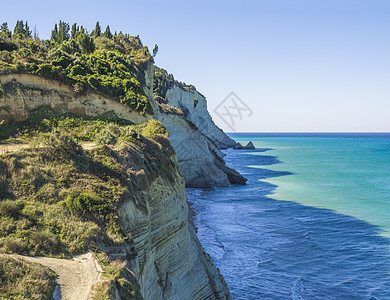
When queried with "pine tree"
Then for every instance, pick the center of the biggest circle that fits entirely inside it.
(98, 31)
(63, 32)
(4, 31)
(54, 34)
(107, 33)
(4, 27)
(19, 29)
(27, 31)
(85, 42)
(74, 31)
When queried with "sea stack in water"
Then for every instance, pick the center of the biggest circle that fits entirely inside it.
(248, 146)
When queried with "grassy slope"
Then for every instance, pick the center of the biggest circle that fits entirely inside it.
(57, 199)
(20, 280)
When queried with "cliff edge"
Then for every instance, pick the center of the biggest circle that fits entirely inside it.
(194, 135)
(106, 144)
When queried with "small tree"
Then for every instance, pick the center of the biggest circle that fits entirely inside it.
(63, 32)
(74, 31)
(85, 42)
(27, 31)
(155, 50)
(107, 33)
(19, 29)
(54, 34)
(98, 31)
(4, 31)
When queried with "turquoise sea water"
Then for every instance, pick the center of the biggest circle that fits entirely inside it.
(313, 222)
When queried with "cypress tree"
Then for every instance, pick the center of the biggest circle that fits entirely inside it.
(54, 34)
(27, 31)
(98, 31)
(4, 31)
(74, 31)
(107, 33)
(63, 32)
(19, 29)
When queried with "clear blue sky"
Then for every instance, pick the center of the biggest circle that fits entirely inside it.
(300, 65)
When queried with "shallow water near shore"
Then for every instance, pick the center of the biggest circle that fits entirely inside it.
(312, 222)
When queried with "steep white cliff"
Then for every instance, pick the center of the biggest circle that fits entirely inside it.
(194, 106)
(196, 140)
(170, 262)
(196, 154)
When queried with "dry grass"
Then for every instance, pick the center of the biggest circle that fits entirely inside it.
(22, 280)
(117, 279)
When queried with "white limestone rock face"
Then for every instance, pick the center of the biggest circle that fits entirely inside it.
(194, 105)
(196, 155)
(170, 262)
(196, 140)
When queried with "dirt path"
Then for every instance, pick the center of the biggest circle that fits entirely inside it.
(75, 277)
(7, 148)
(4, 148)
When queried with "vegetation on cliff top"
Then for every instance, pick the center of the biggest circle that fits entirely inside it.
(163, 81)
(112, 64)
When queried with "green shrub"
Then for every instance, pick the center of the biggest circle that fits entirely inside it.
(154, 128)
(9, 208)
(85, 203)
(106, 137)
(44, 242)
(77, 70)
(69, 47)
(60, 146)
(63, 61)
(46, 70)
(14, 245)
(4, 193)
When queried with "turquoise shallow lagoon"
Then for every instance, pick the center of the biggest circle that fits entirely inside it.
(312, 223)
(346, 173)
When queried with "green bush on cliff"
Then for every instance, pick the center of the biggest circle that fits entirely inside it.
(113, 65)
(154, 128)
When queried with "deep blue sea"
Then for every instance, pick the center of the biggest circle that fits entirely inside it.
(313, 222)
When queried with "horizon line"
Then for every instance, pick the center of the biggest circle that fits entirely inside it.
(307, 131)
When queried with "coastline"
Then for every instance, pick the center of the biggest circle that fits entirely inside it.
(251, 231)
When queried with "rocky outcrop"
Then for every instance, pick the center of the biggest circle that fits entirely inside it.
(194, 106)
(170, 262)
(197, 141)
(194, 152)
(248, 146)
